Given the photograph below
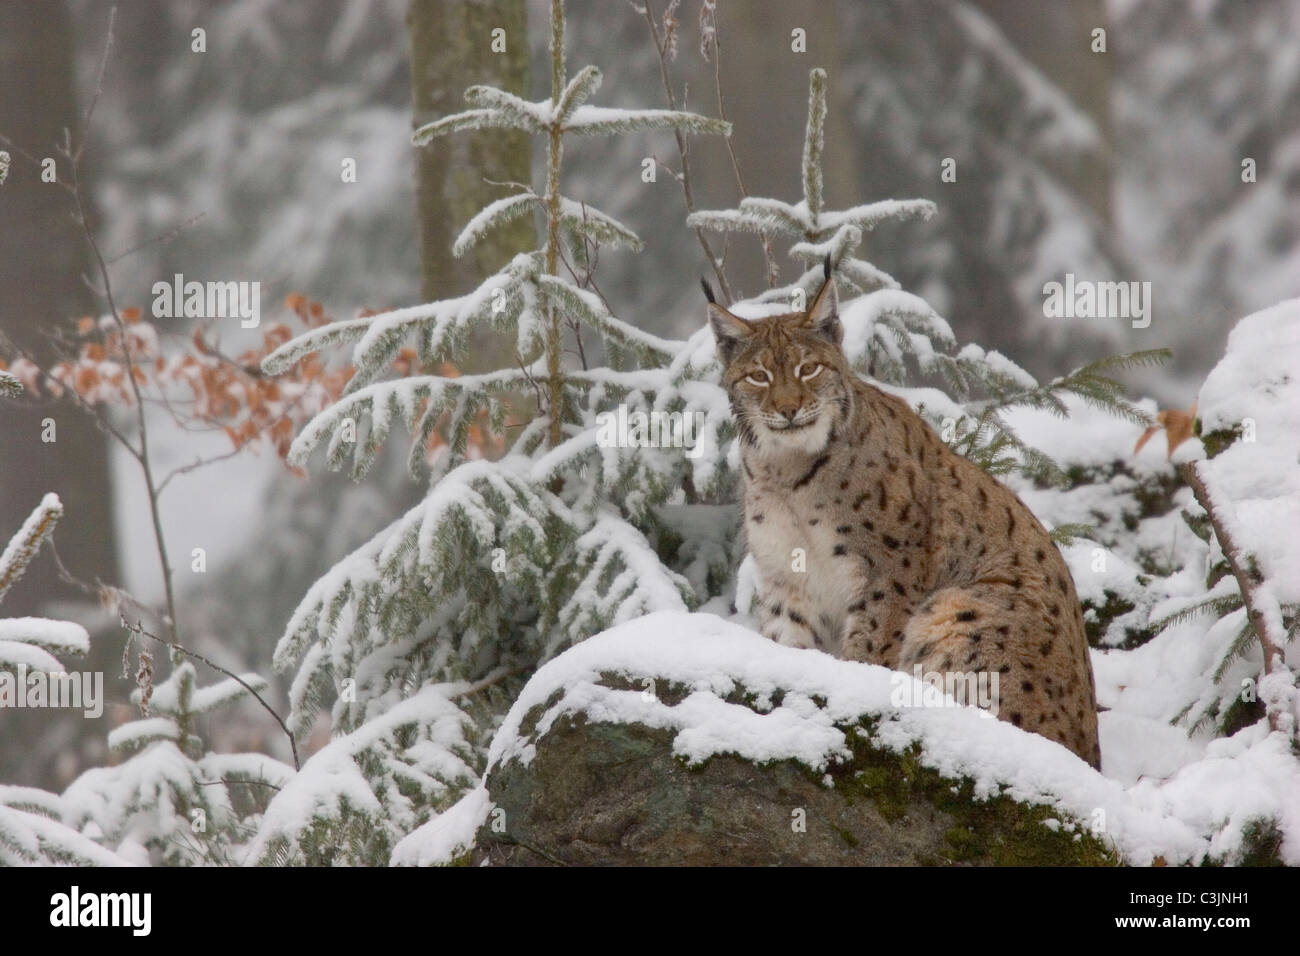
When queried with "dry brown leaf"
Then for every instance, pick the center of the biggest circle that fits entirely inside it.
(1178, 426)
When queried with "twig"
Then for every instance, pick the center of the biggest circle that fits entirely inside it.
(491, 679)
(591, 252)
(196, 464)
(236, 783)
(143, 457)
(162, 238)
(532, 849)
(683, 151)
(524, 188)
(99, 84)
(19, 150)
(765, 238)
(140, 630)
(532, 380)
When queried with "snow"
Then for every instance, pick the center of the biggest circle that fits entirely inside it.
(18, 654)
(28, 838)
(447, 835)
(165, 697)
(863, 318)
(22, 546)
(333, 784)
(641, 585)
(139, 733)
(160, 781)
(1257, 385)
(1093, 438)
(868, 215)
(492, 215)
(61, 637)
(606, 120)
(998, 363)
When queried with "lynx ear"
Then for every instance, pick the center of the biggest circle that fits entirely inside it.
(823, 315)
(729, 330)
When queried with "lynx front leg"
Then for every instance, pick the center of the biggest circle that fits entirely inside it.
(873, 630)
(787, 621)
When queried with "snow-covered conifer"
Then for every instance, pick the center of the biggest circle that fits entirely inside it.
(169, 800)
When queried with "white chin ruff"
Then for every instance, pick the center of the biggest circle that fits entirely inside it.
(809, 440)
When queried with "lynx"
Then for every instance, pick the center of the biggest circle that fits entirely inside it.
(911, 554)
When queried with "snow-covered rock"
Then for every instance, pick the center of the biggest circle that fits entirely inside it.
(684, 738)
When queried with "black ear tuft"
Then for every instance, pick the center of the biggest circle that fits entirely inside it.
(826, 266)
(708, 290)
(823, 314)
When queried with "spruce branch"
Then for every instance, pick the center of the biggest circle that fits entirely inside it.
(814, 143)
(24, 545)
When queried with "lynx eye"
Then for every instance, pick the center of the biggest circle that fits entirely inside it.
(810, 374)
(764, 382)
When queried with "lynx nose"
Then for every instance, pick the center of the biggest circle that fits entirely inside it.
(788, 410)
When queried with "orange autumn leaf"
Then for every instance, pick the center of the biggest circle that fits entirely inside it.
(85, 325)
(131, 315)
(1178, 426)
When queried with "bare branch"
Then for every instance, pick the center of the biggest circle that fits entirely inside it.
(765, 238)
(196, 464)
(162, 238)
(139, 630)
(99, 84)
(683, 150)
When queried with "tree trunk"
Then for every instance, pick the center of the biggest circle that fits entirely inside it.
(451, 49)
(42, 259)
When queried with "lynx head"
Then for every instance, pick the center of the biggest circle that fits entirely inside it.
(788, 379)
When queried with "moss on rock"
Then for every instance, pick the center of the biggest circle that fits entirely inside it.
(599, 793)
